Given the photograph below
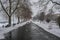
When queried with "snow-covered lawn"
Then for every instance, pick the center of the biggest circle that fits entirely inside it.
(50, 27)
(6, 30)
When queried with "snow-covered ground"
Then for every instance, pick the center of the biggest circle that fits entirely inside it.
(49, 27)
(6, 30)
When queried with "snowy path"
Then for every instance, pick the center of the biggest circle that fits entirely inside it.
(54, 28)
(6, 30)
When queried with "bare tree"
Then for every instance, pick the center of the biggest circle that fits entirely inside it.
(23, 11)
(55, 2)
(9, 12)
(18, 14)
(26, 13)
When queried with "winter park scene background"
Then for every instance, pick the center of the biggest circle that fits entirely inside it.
(29, 19)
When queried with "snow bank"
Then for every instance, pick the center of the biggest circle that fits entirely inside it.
(6, 30)
(49, 27)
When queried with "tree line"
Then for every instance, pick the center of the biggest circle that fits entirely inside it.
(18, 7)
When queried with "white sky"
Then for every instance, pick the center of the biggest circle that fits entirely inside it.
(34, 0)
(34, 7)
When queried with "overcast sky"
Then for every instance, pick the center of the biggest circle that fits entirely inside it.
(35, 6)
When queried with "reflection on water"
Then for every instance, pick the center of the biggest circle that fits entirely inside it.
(30, 32)
(22, 33)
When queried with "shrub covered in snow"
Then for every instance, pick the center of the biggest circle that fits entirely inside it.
(42, 15)
(48, 17)
(48, 20)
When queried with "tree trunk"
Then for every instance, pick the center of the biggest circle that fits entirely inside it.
(18, 20)
(9, 20)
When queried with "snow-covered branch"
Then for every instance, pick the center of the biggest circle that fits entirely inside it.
(16, 7)
(55, 2)
(4, 8)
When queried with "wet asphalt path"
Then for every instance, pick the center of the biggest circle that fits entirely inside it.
(31, 31)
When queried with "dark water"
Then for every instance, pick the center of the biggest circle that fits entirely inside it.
(21, 33)
(30, 31)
